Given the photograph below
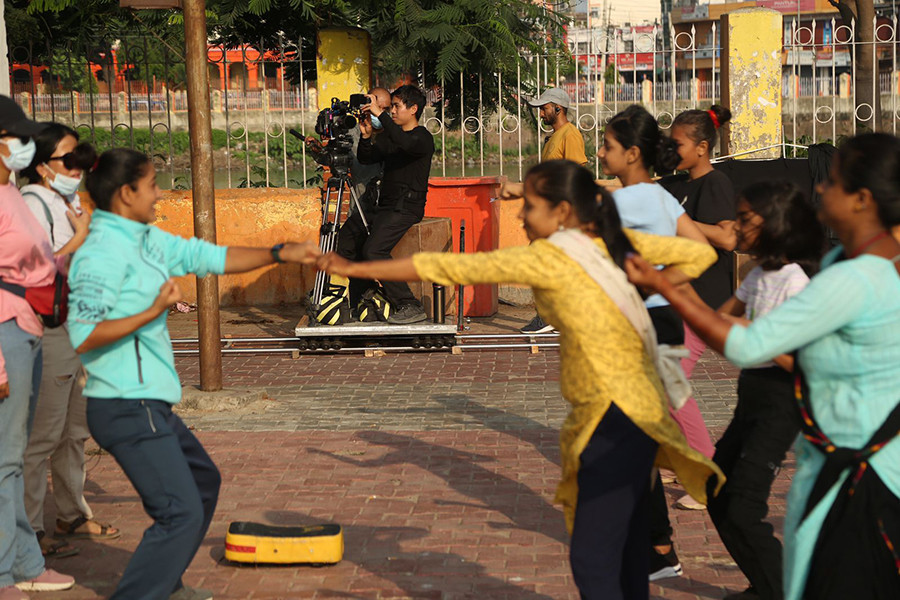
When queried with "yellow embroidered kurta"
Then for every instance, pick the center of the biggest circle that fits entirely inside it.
(602, 358)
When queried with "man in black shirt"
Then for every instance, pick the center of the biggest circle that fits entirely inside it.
(405, 149)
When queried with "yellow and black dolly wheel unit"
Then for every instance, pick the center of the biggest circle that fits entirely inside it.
(256, 543)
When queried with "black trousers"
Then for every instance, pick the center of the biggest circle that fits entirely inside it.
(176, 479)
(387, 225)
(608, 553)
(765, 424)
(669, 330)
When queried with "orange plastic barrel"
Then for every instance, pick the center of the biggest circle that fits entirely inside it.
(473, 200)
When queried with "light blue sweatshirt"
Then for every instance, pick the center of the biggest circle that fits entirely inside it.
(117, 273)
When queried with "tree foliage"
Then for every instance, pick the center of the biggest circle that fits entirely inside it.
(426, 41)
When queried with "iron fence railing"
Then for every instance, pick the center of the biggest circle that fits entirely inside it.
(824, 100)
(135, 98)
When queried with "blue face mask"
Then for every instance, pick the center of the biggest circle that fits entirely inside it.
(20, 155)
(376, 123)
(65, 185)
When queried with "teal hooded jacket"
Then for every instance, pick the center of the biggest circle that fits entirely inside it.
(117, 273)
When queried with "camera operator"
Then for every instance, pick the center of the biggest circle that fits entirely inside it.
(363, 174)
(404, 148)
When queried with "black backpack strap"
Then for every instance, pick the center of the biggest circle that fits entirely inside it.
(837, 458)
(12, 288)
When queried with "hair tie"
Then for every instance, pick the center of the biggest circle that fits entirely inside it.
(714, 118)
(95, 165)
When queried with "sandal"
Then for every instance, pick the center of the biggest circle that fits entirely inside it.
(70, 530)
(51, 549)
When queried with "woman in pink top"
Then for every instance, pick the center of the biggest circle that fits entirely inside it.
(26, 259)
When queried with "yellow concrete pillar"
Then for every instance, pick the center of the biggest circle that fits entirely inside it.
(751, 81)
(343, 63)
(646, 92)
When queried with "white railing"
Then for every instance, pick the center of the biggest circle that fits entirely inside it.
(666, 76)
(820, 87)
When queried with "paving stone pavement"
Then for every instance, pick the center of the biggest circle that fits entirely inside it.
(440, 468)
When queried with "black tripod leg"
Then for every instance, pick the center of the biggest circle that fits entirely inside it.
(355, 199)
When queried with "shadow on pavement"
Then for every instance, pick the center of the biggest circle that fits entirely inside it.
(498, 420)
(379, 550)
(462, 473)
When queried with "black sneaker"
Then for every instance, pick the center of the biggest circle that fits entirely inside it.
(663, 566)
(406, 314)
(537, 325)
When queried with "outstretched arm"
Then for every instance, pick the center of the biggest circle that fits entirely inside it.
(706, 323)
(400, 269)
(686, 227)
(721, 235)
(201, 258)
(239, 260)
(795, 323)
(535, 265)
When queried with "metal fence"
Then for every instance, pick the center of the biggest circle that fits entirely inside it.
(825, 104)
(259, 94)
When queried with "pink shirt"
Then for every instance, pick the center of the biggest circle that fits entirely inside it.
(26, 259)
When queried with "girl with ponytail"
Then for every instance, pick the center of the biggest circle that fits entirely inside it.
(619, 426)
(633, 145)
(708, 198)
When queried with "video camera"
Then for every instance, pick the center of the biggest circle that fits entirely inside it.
(340, 117)
(333, 124)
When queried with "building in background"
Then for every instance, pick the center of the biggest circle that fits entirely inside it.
(814, 39)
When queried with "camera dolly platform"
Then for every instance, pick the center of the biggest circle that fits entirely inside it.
(379, 335)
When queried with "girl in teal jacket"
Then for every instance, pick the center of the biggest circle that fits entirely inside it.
(122, 288)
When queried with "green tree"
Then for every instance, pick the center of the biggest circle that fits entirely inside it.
(428, 40)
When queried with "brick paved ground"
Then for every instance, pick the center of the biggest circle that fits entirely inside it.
(440, 468)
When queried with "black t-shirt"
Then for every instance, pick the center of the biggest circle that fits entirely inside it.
(708, 199)
(406, 156)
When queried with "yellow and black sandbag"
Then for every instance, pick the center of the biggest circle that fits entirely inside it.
(248, 542)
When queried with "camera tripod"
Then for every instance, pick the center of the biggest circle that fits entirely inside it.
(332, 203)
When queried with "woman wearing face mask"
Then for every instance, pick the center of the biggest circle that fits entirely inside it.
(26, 259)
(60, 424)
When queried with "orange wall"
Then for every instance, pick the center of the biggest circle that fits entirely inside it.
(252, 217)
(263, 217)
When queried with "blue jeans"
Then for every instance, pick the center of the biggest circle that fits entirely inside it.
(176, 480)
(20, 554)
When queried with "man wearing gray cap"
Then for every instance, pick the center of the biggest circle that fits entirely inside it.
(565, 142)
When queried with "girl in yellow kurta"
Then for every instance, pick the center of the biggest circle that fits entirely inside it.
(606, 375)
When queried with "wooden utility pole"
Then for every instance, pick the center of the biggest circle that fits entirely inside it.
(200, 124)
(4, 62)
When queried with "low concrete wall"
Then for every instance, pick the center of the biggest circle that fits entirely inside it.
(253, 217)
(263, 217)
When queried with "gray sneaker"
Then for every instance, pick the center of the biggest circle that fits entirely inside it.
(407, 314)
(189, 593)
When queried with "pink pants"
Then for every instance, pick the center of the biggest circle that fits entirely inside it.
(688, 416)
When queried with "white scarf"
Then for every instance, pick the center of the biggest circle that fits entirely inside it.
(582, 249)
